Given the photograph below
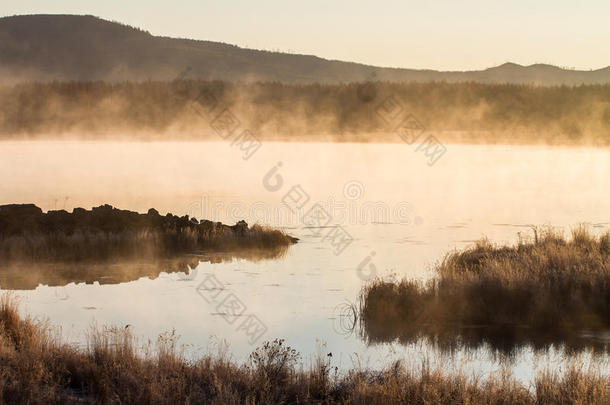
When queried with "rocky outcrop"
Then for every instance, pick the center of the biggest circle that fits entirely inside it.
(105, 231)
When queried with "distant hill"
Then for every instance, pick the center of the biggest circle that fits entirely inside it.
(70, 47)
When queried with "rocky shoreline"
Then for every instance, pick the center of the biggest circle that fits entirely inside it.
(104, 232)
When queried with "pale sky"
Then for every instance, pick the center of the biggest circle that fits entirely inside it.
(441, 34)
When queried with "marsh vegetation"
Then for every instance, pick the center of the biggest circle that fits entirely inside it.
(37, 367)
(103, 233)
(548, 290)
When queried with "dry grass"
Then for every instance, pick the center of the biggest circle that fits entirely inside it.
(543, 291)
(96, 245)
(106, 233)
(37, 368)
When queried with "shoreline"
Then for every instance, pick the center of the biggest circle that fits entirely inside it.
(105, 233)
(38, 367)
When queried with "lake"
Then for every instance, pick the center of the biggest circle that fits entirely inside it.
(380, 210)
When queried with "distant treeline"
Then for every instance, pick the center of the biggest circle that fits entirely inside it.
(462, 112)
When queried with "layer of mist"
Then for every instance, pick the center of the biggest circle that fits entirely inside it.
(360, 112)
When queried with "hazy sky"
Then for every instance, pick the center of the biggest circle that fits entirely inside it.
(447, 35)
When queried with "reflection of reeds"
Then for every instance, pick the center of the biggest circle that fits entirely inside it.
(26, 234)
(37, 368)
(26, 275)
(539, 292)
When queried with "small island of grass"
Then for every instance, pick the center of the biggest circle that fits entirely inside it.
(548, 290)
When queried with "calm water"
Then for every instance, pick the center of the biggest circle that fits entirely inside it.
(400, 214)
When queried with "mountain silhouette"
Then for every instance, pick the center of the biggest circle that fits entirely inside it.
(72, 47)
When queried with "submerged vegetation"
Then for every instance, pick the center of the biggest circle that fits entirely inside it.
(103, 233)
(454, 112)
(549, 290)
(36, 367)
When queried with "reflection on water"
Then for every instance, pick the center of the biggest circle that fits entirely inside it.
(407, 213)
(27, 276)
(507, 340)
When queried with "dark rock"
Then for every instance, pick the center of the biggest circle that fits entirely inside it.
(106, 231)
(20, 210)
(102, 208)
(241, 227)
(19, 218)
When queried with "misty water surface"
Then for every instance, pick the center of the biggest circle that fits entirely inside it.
(402, 214)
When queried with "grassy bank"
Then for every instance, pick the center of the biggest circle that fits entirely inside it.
(547, 290)
(454, 112)
(103, 233)
(37, 368)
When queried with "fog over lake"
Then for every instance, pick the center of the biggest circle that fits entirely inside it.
(399, 213)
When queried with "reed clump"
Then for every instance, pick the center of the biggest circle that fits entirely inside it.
(541, 291)
(36, 367)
